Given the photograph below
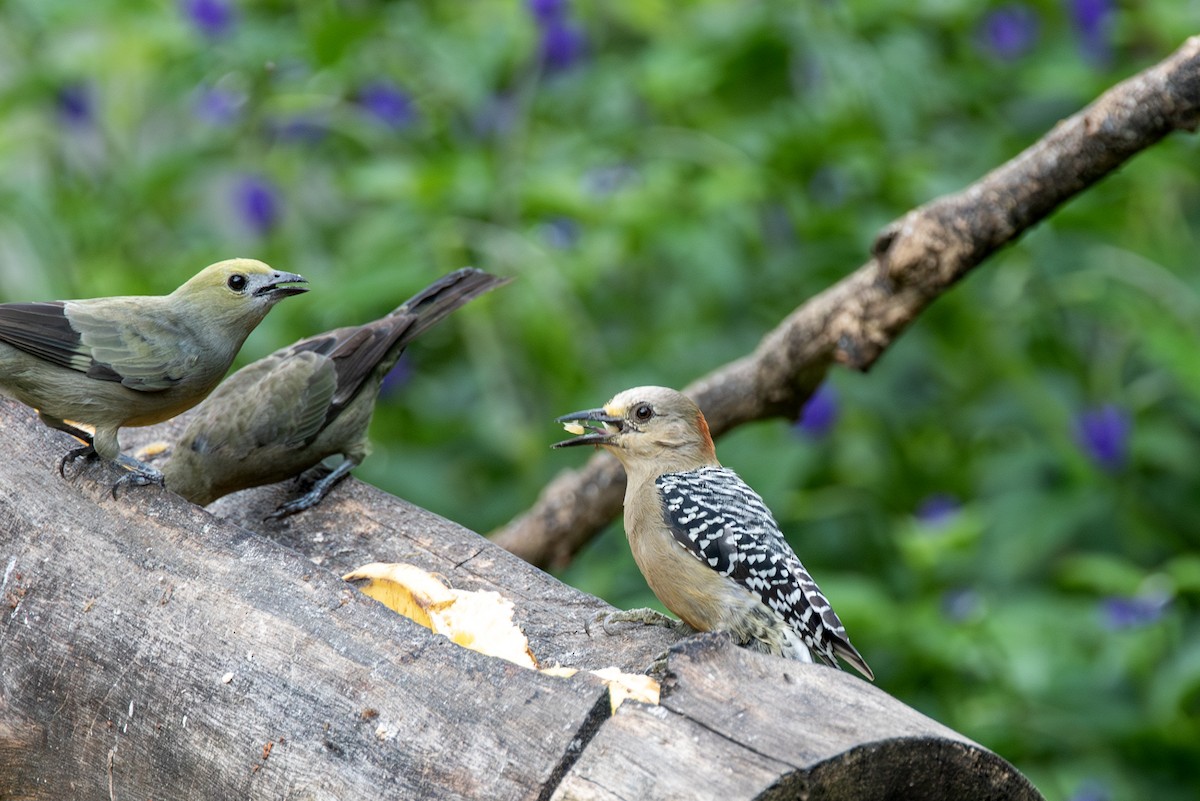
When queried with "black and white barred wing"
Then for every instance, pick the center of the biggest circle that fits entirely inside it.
(724, 523)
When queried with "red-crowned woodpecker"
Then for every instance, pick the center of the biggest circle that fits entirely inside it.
(705, 541)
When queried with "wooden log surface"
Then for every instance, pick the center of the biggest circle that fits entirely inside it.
(153, 649)
(749, 726)
(149, 650)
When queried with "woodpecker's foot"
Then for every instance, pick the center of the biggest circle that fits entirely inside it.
(139, 475)
(643, 616)
(87, 453)
(315, 495)
(658, 667)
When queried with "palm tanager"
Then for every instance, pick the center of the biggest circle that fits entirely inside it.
(133, 361)
(285, 413)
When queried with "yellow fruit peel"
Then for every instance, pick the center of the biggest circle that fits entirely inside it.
(621, 685)
(152, 450)
(633, 686)
(480, 620)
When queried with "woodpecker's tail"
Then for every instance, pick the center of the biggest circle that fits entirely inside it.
(431, 305)
(831, 645)
(850, 654)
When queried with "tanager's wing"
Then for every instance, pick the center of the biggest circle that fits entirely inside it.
(42, 330)
(278, 401)
(354, 354)
(116, 341)
(369, 351)
(365, 352)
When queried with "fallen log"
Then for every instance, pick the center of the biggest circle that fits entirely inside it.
(153, 649)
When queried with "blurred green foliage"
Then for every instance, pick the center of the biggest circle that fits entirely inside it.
(1003, 511)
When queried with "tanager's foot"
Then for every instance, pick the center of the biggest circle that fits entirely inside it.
(140, 474)
(87, 453)
(309, 478)
(643, 616)
(315, 495)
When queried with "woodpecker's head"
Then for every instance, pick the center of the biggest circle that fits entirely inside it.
(646, 423)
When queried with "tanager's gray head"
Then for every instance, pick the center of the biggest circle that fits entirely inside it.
(238, 292)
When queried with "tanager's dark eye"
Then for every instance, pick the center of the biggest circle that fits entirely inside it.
(237, 282)
(644, 412)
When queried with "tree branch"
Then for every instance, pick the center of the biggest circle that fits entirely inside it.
(914, 260)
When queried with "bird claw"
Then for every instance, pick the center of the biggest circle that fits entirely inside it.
(643, 616)
(311, 477)
(318, 492)
(658, 666)
(142, 477)
(290, 508)
(87, 452)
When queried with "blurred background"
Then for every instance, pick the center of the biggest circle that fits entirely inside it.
(1004, 511)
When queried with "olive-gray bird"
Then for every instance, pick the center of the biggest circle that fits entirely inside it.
(285, 413)
(136, 360)
(705, 541)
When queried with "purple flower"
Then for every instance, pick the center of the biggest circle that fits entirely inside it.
(1135, 612)
(1009, 31)
(830, 186)
(217, 106)
(937, 509)
(961, 604)
(495, 117)
(75, 105)
(609, 179)
(547, 11)
(1103, 434)
(397, 377)
(302, 128)
(1092, 20)
(562, 45)
(819, 413)
(1090, 16)
(1091, 790)
(213, 18)
(560, 232)
(257, 202)
(387, 103)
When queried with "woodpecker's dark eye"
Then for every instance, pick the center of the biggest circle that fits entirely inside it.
(237, 282)
(644, 412)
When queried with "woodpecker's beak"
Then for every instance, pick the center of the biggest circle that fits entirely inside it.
(279, 284)
(585, 421)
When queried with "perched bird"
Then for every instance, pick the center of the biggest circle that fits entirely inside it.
(283, 414)
(133, 361)
(705, 541)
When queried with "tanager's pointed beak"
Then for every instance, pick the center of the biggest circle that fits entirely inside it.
(279, 285)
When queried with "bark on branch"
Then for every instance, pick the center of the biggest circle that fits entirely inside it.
(914, 260)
